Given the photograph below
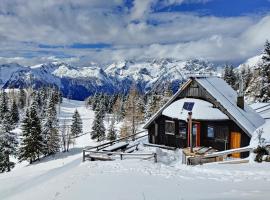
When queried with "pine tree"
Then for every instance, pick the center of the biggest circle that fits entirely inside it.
(152, 105)
(22, 99)
(50, 131)
(112, 132)
(230, 76)
(76, 127)
(265, 74)
(32, 144)
(3, 104)
(14, 113)
(98, 129)
(8, 144)
(168, 93)
(246, 76)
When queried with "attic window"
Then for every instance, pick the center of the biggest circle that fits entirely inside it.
(169, 127)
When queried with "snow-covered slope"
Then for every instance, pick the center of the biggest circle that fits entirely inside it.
(65, 177)
(252, 62)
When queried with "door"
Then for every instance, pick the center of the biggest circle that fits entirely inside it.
(196, 134)
(235, 143)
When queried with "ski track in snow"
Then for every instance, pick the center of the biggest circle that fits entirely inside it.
(65, 177)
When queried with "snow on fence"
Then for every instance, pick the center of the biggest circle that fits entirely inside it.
(95, 152)
(99, 155)
(219, 156)
(228, 152)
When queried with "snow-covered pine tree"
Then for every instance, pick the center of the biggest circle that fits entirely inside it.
(8, 144)
(50, 128)
(14, 114)
(98, 129)
(230, 76)
(152, 104)
(119, 108)
(112, 132)
(3, 104)
(167, 95)
(246, 75)
(22, 99)
(32, 144)
(264, 72)
(76, 127)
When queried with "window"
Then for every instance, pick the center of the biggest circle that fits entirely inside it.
(183, 130)
(169, 127)
(194, 129)
(210, 132)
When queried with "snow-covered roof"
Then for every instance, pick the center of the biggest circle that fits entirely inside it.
(202, 110)
(262, 109)
(226, 97)
(246, 118)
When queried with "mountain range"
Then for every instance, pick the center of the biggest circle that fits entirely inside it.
(79, 83)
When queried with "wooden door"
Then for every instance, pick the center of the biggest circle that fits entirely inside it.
(235, 143)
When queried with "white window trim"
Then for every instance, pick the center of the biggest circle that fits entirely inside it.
(170, 121)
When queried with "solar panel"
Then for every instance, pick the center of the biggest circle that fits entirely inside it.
(188, 106)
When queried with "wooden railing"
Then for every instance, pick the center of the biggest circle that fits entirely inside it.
(107, 144)
(219, 156)
(229, 152)
(121, 154)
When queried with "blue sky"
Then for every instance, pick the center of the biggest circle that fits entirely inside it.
(103, 31)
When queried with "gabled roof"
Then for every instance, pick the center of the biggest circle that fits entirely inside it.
(226, 98)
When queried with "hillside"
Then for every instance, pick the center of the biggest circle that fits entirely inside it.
(64, 176)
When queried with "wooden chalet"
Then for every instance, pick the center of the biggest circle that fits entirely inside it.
(220, 117)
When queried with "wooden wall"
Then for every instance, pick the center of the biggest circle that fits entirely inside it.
(175, 140)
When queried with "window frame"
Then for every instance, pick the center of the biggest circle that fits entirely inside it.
(169, 121)
(180, 133)
(213, 128)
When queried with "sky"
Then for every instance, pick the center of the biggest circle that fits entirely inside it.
(105, 31)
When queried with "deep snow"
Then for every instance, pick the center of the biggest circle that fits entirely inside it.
(64, 176)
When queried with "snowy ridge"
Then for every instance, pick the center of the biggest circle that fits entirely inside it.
(79, 83)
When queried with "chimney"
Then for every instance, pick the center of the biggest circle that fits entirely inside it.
(240, 95)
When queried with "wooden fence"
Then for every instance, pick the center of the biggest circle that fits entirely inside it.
(95, 155)
(96, 149)
(219, 156)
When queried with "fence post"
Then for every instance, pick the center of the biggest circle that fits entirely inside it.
(83, 155)
(155, 157)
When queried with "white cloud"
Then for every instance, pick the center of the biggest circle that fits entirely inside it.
(25, 23)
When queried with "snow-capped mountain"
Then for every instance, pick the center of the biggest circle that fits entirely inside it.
(252, 62)
(6, 70)
(78, 83)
